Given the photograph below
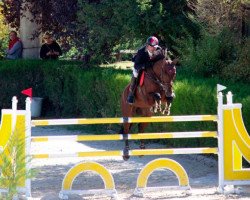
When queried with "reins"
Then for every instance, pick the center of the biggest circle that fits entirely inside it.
(156, 79)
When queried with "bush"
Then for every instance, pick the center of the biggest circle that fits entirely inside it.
(239, 70)
(17, 75)
(215, 55)
(201, 57)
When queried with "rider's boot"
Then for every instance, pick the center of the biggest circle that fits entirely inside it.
(131, 95)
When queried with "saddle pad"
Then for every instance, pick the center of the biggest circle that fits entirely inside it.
(142, 78)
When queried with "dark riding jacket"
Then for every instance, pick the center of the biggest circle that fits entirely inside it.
(142, 59)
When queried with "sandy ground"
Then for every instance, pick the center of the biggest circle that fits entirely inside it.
(202, 172)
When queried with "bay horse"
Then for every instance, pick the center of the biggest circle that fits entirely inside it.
(157, 85)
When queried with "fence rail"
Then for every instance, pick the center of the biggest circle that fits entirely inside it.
(78, 138)
(183, 118)
(139, 152)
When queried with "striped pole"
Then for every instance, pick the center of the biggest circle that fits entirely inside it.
(78, 138)
(139, 152)
(187, 118)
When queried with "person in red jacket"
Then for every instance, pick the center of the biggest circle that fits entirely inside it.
(15, 47)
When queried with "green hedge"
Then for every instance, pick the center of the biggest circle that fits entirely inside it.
(71, 91)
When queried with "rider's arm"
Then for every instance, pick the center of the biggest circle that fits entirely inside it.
(140, 59)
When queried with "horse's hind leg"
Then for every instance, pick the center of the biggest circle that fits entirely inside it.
(141, 128)
(125, 130)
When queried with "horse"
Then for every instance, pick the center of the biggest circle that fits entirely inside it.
(149, 96)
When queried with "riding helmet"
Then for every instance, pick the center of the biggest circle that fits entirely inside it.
(152, 41)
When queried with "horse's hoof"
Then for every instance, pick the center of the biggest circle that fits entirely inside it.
(126, 153)
(125, 157)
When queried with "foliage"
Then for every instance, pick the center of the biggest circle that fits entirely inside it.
(215, 55)
(97, 28)
(239, 69)
(199, 57)
(17, 75)
(58, 17)
(219, 14)
(13, 165)
(112, 23)
(3, 34)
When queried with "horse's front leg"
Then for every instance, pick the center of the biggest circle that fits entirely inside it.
(157, 105)
(167, 108)
(169, 95)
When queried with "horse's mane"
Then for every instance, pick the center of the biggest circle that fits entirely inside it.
(156, 63)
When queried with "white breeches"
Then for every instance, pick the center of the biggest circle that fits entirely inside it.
(135, 73)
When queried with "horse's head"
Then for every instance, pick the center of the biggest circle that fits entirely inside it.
(161, 77)
(165, 71)
(170, 69)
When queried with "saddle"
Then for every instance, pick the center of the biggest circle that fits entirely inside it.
(141, 78)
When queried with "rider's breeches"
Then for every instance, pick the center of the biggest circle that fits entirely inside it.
(135, 72)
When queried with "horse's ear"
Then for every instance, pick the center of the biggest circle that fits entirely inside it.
(175, 61)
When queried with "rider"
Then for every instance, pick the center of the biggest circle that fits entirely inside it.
(144, 58)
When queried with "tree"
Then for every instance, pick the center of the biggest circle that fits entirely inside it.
(3, 34)
(111, 22)
(98, 27)
(220, 14)
(56, 16)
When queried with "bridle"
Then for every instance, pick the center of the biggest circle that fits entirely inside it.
(158, 79)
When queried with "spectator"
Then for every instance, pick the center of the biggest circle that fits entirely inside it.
(50, 49)
(15, 48)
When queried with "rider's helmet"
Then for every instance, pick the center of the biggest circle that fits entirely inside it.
(152, 41)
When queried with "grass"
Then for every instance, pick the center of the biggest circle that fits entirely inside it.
(120, 65)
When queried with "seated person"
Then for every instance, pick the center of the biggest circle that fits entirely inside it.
(15, 48)
(50, 49)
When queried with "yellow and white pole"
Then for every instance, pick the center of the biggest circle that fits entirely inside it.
(14, 113)
(137, 152)
(220, 143)
(28, 143)
(184, 118)
(78, 138)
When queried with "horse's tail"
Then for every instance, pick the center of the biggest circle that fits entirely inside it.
(125, 93)
(124, 97)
